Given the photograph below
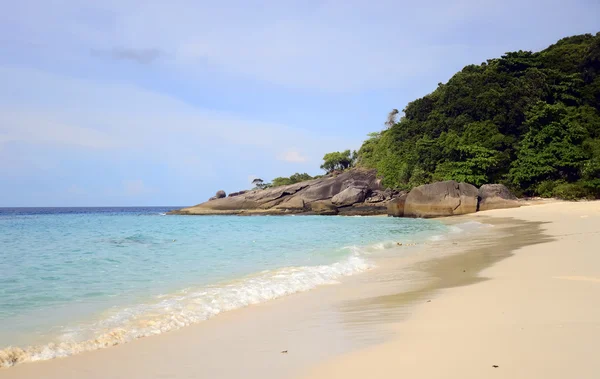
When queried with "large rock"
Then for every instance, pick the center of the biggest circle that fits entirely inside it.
(395, 207)
(323, 207)
(349, 196)
(496, 196)
(226, 204)
(327, 187)
(292, 204)
(441, 199)
(220, 194)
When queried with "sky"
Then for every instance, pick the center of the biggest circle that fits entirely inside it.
(123, 102)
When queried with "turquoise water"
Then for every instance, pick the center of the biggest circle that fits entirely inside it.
(77, 279)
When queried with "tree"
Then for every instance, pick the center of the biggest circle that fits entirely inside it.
(281, 181)
(338, 160)
(391, 118)
(552, 148)
(260, 184)
(299, 177)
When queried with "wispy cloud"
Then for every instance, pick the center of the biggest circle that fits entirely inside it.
(141, 56)
(104, 114)
(116, 125)
(292, 156)
(37, 126)
(320, 45)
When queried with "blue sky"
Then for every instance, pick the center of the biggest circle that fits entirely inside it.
(124, 102)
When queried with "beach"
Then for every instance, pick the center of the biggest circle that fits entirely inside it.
(520, 294)
(538, 315)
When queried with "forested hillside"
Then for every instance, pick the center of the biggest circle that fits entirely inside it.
(529, 120)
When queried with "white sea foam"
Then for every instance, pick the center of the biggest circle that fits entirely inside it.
(174, 311)
(383, 245)
(468, 226)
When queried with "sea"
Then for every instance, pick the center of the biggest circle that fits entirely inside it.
(80, 279)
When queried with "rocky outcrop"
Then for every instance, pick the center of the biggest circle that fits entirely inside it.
(349, 196)
(496, 196)
(395, 207)
(326, 195)
(291, 204)
(441, 199)
(219, 195)
(323, 207)
(358, 192)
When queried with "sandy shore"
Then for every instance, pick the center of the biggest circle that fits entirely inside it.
(428, 313)
(538, 316)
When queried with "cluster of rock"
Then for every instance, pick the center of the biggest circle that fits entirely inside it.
(353, 192)
(358, 192)
(451, 198)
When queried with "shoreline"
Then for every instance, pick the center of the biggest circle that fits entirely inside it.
(356, 295)
(180, 308)
(535, 315)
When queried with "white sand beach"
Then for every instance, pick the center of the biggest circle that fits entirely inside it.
(537, 317)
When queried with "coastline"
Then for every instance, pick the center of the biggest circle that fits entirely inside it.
(535, 315)
(321, 329)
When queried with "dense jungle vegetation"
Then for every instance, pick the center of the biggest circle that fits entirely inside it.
(528, 120)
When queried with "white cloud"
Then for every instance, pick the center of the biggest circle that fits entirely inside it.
(117, 124)
(140, 56)
(331, 45)
(42, 127)
(292, 156)
(59, 110)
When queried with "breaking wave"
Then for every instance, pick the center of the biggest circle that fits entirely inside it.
(469, 226)
(190, 306)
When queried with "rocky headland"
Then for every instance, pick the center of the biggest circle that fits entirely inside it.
(357, 192)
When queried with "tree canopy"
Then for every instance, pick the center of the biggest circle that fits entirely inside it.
(338, 160)
(258, 183)
(293, 179)
(528, 120)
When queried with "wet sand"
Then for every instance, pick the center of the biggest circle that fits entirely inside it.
(359, 327)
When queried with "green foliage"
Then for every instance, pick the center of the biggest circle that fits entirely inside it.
(552, 147)
(338, 160)
(570, 191)
(529, 120)
(546, 188)
(296, 178)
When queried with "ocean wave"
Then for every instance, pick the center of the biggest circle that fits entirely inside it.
(383, 245)
(468, 226)
(174, 311)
